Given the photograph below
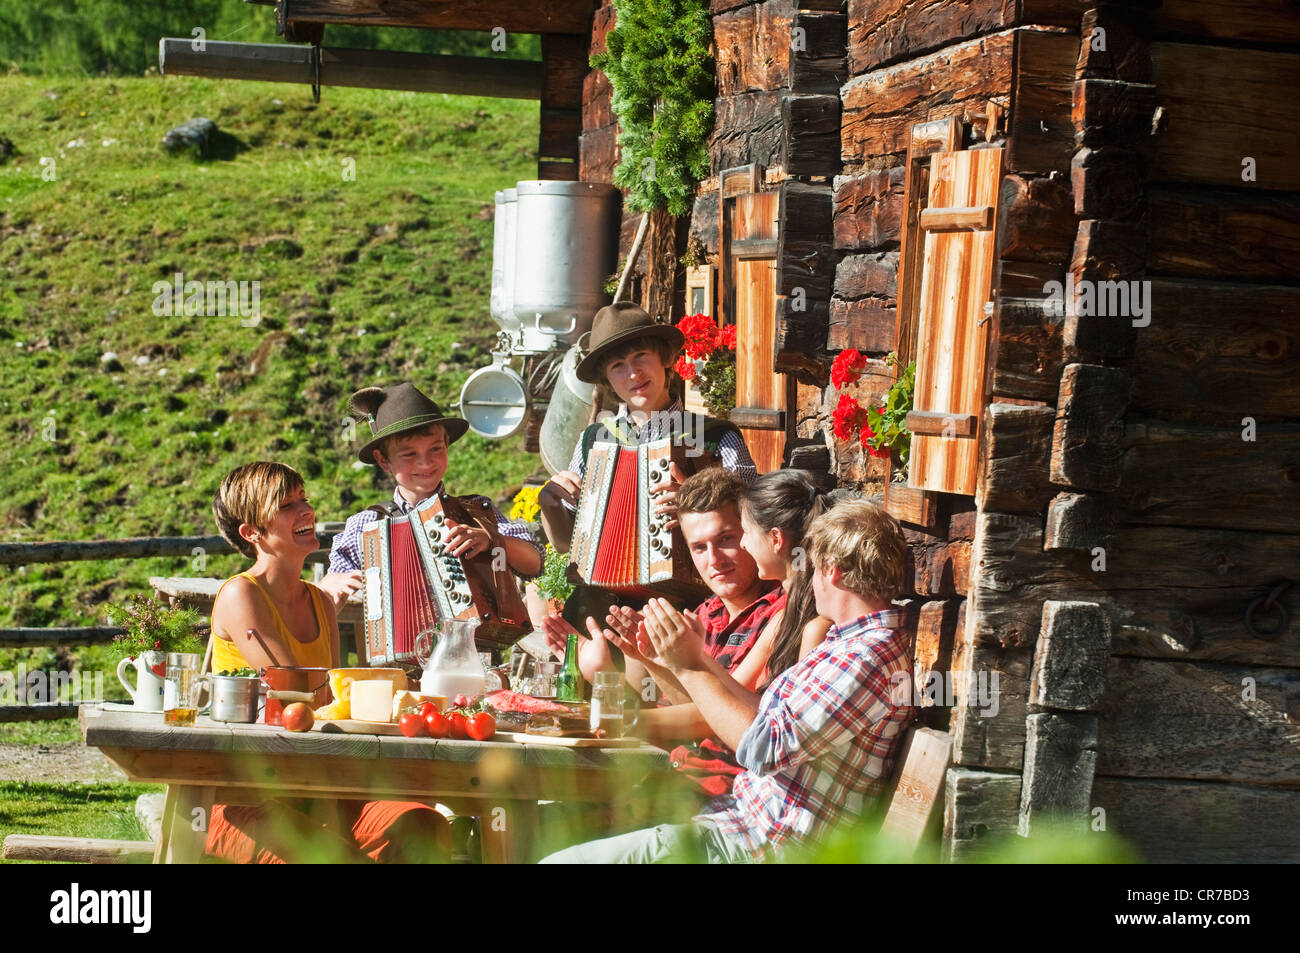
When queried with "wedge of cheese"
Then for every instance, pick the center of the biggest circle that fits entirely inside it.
(334, 711)
(405, 700)
(341, 680)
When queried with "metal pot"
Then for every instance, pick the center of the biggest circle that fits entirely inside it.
(310, 685)
(236, 698)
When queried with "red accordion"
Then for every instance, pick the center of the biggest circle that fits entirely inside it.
(619, 542)
(412, 582)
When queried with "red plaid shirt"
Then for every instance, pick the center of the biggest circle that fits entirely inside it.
(824, 739)
(708, 762)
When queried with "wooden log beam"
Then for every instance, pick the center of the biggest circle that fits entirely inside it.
(1109, 183)
(880, 107)
(1071, 658)
(1026, 345)
(1207, 722)
(805, 271)
(748, 129)
(1036, 219)
(1206, 89)
(1041, 131)
(1207, 625)
(1113, 46)
(1078, 522)
(981, 808)
(864, 307)
(1056, 787)
(1086, 442)
(568, 16)
(988, 721)
(1189, 475)
(885, 31)
(77, 850)
(869, 209)
(811, 124)
(1196, 822)
(1218, 352)
(598, 154)
(367, 69)
(1222, 233)
(1015, 465)
(752, 48)
(1262, 21)
(819, 66)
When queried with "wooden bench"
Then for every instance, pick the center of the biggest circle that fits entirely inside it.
(77, 850)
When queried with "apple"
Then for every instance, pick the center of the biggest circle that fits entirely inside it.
(298, 717)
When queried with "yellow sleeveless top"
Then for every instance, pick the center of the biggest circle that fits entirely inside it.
(314, 654)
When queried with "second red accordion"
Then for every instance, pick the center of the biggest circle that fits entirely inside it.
(619, 542)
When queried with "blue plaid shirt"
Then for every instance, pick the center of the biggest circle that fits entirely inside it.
(345, 554)
(823, 742)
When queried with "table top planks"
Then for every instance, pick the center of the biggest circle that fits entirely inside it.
(145, 731)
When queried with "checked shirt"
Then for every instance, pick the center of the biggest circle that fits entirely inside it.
(824, 740)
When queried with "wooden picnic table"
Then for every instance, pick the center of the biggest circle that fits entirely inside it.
(216, 762)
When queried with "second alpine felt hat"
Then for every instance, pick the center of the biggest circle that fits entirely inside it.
(398, 409)
(617, 324)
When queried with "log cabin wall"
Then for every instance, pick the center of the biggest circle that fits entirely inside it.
(1121, 525)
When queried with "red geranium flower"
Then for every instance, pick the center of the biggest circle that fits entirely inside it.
(728, 337)
(847, 417)
(847, 368)
(685, 368)
(701, 334)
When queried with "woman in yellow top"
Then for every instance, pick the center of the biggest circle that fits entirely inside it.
(270, 615)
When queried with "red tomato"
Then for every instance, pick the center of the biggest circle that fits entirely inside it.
(459, 723)
(437, 724)
(424, 708)
(482, 726)
(412, 725)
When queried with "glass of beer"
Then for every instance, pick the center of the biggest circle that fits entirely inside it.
(181, 689)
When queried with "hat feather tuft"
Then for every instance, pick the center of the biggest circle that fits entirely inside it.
(367, 401)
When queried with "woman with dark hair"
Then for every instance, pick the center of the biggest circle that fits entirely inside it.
(776, 513)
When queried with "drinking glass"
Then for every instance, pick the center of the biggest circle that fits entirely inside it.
(608, 696)
(181, 689)
(544, 680)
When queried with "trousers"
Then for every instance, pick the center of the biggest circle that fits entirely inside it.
(695, 842)
(278, 832)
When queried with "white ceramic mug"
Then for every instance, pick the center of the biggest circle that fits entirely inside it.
(151, 673)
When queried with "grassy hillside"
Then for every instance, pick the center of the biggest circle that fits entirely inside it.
(361, 282)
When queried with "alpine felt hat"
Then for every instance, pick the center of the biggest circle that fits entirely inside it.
(617, 324)
(398, 409)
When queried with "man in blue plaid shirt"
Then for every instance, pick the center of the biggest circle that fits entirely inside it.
(827, 730)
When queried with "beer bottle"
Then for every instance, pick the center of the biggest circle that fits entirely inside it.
(568, 684)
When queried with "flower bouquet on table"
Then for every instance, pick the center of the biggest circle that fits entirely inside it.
(152, 630)
(880, 430)
(708, 362)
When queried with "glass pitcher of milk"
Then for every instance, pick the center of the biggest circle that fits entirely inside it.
(451, 666)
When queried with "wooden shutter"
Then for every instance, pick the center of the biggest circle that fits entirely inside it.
(952, 318)
(747, 298)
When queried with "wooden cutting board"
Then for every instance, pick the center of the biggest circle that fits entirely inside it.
(351, 726)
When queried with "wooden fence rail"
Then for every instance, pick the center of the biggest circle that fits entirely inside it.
(24, 554)
(58, 551)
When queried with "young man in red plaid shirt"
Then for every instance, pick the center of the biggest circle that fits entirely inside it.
(739, 622)
(827, 729)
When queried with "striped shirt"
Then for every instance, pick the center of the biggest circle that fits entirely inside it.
(733, 455)
(824, 740)
(345, 554)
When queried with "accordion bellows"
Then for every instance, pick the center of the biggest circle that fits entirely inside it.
(619, 542)
(412, 582)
